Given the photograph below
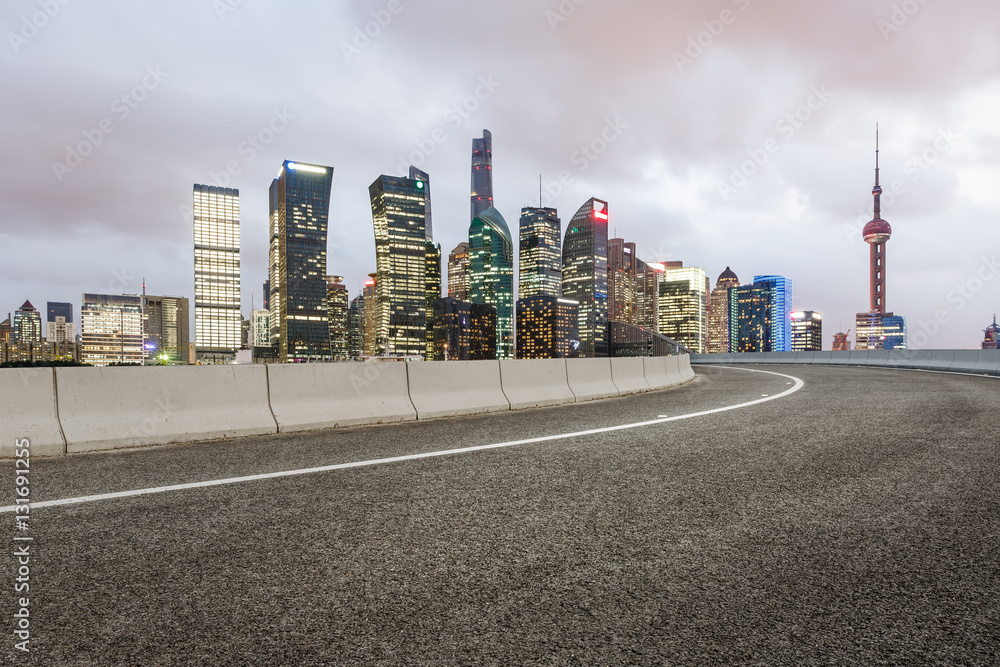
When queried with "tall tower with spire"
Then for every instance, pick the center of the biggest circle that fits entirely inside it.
(876, 234)
(482, 174)
(878, 329)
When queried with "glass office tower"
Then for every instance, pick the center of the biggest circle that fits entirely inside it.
(585, 274)
(399, 212)
(682, 307)
(218, 322)
(540, 257)
(482, 174)
(300, 211)
(111, 329)
(491, 273)
(760, 315)
(807, 331)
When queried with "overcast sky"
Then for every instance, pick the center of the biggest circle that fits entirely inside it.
(722, 132)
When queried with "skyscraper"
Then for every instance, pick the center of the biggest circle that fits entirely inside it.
(807, 331)
(260, 328)
(356, 328)
(111, 329)
(458, 272)
(623, 288)
(482, 174)
(760, 315)
(27, 324)
(369, 295)
(540, 256)
(718, 314)
(300, 211)
(464, 331)
(647, 299)
(547, 327)
(218, 322)
(165, 328)
(491, 273)
(585, 274)
(424, 177)
(432, 260)
(337, 304)
(878, 329)
(399, 212)
(59, 325)
(682, 307)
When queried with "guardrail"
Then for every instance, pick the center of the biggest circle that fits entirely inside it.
(71, 410)
(979, 362)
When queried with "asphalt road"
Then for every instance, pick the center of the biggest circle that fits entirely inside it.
(856, 521)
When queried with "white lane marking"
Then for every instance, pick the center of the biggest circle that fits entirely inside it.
(411, 457)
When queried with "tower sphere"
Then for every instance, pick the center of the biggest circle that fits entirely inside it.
(877, 231)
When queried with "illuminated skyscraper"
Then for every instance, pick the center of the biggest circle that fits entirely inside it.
(300, 211)
(623, 287)
(807, 331)
(718, 314)
(165, 329)
(585, 274)
(464, 331)
(540, 257)
(356, 328)
(337, 303)
(370, 296)
(547, 327)
(760, 315)
(682, 307)
(458, 272)
(111, 329)
(433, 283)
(27, 324)
(647, 302)
(218, 322)
(491, 273)
(399, 212)
(482, 174)
(424, 177)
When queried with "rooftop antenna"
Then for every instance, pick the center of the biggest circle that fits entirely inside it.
(144, 285)
(539, 191)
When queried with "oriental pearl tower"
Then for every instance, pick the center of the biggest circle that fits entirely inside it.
(878, 329)
(876, 234)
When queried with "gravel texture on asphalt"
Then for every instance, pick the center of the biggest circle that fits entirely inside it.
(852, 522)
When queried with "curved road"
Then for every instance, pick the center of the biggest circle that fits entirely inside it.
(852, 521)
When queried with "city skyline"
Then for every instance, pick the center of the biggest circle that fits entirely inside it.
(801, 127)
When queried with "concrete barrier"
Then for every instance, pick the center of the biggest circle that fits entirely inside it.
(897, 358)
(989, 361)
(315, 396)
(684, 368)
(941, 360)
(28, 411)
(917, 359)
(781, 357)
(533, 383)
(965, 361)
(840, 358)
(878, 358)
(112, 408)
(857, 357)
(822, 358)
(590, 378)
(655, 371)
(628, 375)
(451, 388)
